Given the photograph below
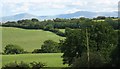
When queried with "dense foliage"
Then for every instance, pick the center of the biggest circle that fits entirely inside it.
(23, 65)
(13, 49)
(55, 24)
(99, 36)
(49, 46)
(95, 60)
(115, 55)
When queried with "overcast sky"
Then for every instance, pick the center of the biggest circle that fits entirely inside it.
(54, 7)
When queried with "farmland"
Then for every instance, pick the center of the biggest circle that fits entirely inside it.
(27, 39)
(50, 59)
(98, 38)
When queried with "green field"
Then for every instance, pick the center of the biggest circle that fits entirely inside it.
(62, 30)
(51, 59)
(30, 40)
(27, 39)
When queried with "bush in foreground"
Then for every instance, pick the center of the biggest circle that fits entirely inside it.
(23, 65)
(95, 60)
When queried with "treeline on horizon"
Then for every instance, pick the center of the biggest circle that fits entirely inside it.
(58, 23)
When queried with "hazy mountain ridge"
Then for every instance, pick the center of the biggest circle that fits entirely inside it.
(70, 15)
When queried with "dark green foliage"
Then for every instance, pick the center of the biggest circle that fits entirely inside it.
(37, 51)
(52, 25)
(73, 45)
(16, 65)
(57, 23)
(114, 23)
(100, 17)
(50, 46)
(23, 65)
(101, 38)
(37, 65)
(13, 49)
(35, 20)
(115, 55)
(48, 27)
(95, 60)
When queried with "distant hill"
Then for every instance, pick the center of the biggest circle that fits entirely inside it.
(87, 14)
(18, 17)
(70, 15)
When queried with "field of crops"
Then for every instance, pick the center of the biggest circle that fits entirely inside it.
(27, 39)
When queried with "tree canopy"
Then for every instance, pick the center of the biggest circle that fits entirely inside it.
(101, 38)
(13, 49)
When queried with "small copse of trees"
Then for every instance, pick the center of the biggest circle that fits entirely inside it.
(49, 46)
(13, 49)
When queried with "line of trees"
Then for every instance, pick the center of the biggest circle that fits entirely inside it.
(56, 24)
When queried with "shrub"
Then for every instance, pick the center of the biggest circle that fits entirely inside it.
(23, 65)
(16, 65)
(37, 51)
(13, 49)
(37, 65)
(95, 60)
(50, 46)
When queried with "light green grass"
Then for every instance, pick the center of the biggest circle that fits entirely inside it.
(27, 39)
(51, 59)
(62, 30)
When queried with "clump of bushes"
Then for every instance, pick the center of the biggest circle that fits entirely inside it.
(23, 65)
(49, 46)
(95, 60)
(13, 49)
(37, 51)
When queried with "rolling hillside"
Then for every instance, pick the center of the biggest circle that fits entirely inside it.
(27, 39)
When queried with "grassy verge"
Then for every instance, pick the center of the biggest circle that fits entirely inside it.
(51, 59)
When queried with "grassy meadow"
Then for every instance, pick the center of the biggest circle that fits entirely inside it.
(62, 30)
(30, 40)
(27, 39)
(50, 59)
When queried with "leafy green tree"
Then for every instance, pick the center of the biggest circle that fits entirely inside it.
(48, 27)
(113, 23)
(95, 60)
(50, 46)
(101, 17)
(73, 45)
(37, 51)
(101, 38)
(115, 55)
(13, 49)
(35, 20)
